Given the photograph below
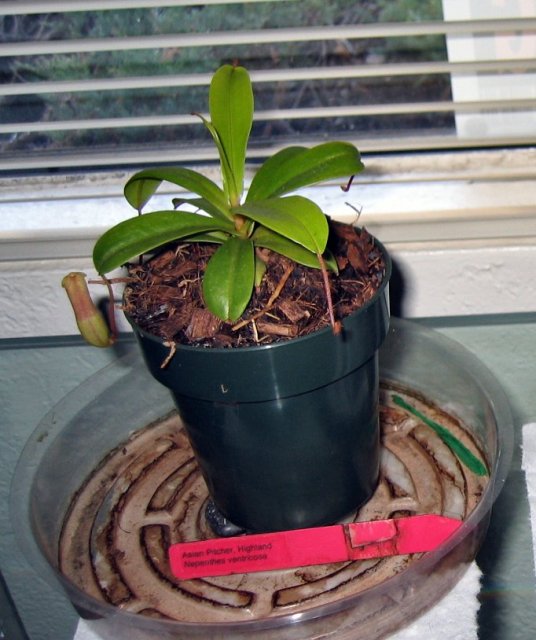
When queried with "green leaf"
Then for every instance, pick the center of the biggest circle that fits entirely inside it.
(294, 217)
(260, 270)
(226, 170)
(229, 279)
(214, 237)
(200, 204)
(296, 167)
(331, 261)
(142, 186)
(231, 113)
(263, 237)
(139, 235)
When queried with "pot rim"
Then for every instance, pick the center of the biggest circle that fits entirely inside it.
(278, 345)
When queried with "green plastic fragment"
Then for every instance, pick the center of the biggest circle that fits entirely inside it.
(457, 447)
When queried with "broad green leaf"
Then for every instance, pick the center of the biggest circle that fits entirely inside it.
(200, 204)
(215, 237)
(229, 279)
(294, 217)
(231, 113)
(296, 167)
(267, 179)
(139, 235)
(263, 237)
(142, 186)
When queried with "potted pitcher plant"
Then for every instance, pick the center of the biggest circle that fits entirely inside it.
(262, 316)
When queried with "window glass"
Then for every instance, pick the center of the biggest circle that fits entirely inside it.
(134, 76)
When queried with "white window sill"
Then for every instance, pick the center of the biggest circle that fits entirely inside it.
(461, 228)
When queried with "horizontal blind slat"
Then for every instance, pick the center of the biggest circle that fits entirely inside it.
(160, 156)
(398, 109)
(266, 36)
(276, 75)
(279, 114)
(27, 7)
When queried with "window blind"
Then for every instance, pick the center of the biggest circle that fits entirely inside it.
(114, 83)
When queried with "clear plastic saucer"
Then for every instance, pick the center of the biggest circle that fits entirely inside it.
(100, 420)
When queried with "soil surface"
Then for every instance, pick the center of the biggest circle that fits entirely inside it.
(164, 295)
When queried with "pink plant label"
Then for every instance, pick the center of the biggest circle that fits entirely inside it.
(314, 546)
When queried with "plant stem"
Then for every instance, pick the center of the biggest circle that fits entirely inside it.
(335, 324)
(111, 309)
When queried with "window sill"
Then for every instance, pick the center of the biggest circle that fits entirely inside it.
(461, 228)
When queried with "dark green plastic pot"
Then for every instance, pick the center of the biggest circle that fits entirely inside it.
(286, 435)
